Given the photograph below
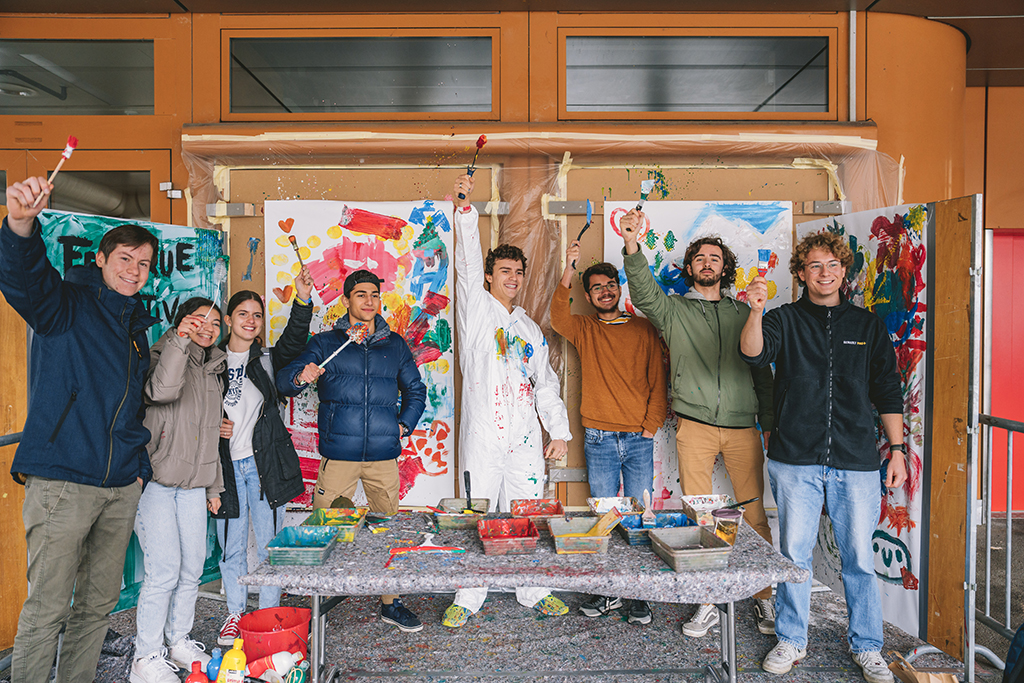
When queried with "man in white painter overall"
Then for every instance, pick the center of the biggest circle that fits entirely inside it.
(507, 383)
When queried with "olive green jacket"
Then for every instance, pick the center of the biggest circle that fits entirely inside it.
(711, 383)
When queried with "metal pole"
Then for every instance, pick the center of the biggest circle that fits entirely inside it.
(314, 640)
(988, 523)
(853, 65)
(1009, 518)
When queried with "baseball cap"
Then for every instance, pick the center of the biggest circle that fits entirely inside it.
(359, 277)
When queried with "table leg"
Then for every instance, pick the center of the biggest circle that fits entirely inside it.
(730, 627)
(315, 640)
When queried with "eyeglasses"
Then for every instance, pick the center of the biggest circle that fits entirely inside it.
(817, 267)
(610, 287)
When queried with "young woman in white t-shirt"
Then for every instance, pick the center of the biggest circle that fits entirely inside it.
(261, 468)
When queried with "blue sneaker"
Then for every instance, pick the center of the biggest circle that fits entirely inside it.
(399, 615)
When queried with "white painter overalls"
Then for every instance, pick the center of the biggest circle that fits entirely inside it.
(506, 383)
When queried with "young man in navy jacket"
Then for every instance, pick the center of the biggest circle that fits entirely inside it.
(82, 456)
(361, 428)
(833, 360)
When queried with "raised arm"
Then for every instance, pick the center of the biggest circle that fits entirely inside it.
(469, 263)
(752, 334)
(293, 339)
(645, 293)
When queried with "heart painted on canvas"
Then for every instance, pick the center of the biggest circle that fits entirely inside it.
(286, 225)
(285, 295)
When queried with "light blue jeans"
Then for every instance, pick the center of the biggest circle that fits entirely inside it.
(611, 455)
(853, 501)
(171, 525)
(235, 561)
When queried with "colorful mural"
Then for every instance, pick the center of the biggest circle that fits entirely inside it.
(407, 245)
(888, 278)
(669, 228)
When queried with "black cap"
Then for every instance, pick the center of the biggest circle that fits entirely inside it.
(358, 278)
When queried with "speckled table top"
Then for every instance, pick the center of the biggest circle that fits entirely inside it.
(358, 568)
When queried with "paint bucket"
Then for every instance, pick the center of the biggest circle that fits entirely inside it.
(274, 629)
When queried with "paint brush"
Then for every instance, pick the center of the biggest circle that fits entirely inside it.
(220, 274)
(471, 169)
(295, 246)
(763, 257)
(590, 214)
(736, 505)
(645, 189)
(648, 519)
(356, 333)
(64, 156)
(469, 495)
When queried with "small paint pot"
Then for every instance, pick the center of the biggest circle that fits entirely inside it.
(727, 524)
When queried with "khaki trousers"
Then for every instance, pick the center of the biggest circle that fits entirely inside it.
(698, 444)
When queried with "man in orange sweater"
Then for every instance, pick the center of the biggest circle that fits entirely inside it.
(624, 397)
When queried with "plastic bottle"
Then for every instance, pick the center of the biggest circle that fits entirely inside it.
(213, 667)
(281, 662)
(232, 669)
(197, 675)
(300, 673)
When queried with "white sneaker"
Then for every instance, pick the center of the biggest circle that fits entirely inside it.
(873, 667)
(781, 658)
(186, 651)
(154, 668)
(764, 613)
(701, 622)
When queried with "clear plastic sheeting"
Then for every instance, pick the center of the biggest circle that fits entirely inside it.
(531, 167)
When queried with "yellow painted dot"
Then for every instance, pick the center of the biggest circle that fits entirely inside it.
(334, 232)
(296, 268)
(279, 259)
(772, 289)
(313, 242)
(278, 321)
(305, 253)
(284, 277)
(273, 305)
(442, 365)
(282, 241)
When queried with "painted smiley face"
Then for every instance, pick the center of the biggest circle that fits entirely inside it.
(892, 557)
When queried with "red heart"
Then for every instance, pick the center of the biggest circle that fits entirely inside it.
(286, 225)
(285, 295)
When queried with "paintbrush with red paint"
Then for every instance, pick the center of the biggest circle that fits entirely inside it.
(64, 156)
(471, 169)
(295, 246)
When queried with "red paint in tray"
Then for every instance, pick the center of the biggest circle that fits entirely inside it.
(539, 510)
(516, 536)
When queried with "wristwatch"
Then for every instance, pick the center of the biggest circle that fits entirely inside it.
(403, 430)
(898, 447)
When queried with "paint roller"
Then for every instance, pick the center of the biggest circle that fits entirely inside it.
(357, 333)
(471, 169)
(64, 156)
(590, 214)
(646, 186)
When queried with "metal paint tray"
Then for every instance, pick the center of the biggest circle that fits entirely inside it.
(627, 506)
(515, 536)
(347, 520)
(699, 508)
(676, 547)
(632, 527)
(452, 517)
(308, 545)
(540, 510)
(569, 545)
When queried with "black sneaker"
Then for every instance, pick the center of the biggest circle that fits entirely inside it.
(599, 606)
(639, 612)
(399, 615)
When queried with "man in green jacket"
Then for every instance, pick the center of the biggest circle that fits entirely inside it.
(718, 397)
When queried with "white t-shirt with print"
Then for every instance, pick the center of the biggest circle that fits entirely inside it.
(242, 404)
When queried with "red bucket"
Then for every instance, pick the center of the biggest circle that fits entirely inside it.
(275, 629)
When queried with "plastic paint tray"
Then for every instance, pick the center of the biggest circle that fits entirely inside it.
(676, 547)
(452, 517)
(699, 508)
(303, 545)
(627, 506)
(540, 510)
(568, 545)
(632, 527)
(515, 536)
(347, 520)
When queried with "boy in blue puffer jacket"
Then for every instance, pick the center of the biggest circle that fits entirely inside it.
(360, 423)
(82, 457)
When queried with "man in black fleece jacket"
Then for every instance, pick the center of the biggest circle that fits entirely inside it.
(833, 360)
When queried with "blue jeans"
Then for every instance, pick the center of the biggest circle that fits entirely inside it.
(611, 454)
(853, 500)
(171, 525)
(236, 546)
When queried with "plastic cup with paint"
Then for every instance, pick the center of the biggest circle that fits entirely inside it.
(727, 524)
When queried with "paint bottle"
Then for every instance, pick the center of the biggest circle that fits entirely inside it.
(232, 669)
(299, 674)
(197, 675)
(213, 667)
(281, 662)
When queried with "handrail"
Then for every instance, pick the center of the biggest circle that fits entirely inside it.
(10, 439)
(1001, 423)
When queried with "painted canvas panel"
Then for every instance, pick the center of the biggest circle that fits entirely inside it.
(182, 269)
(888, 278)
(407, 244)
(745, 227)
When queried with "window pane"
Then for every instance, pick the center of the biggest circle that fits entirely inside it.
(3, 183)
(88, 77)
(682, 73)
(347, 75)
(121, 194)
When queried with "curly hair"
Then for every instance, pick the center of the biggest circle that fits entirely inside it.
(728, 260)
(825, 241)
(503, 252)
(606, 269)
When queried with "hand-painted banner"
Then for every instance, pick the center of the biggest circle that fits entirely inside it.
(182, 269)
(407, 245)
(671, 226)
(888, 278)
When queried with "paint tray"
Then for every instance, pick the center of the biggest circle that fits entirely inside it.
(699, 508)
(540, 510)
(632, 526)
(452, 517)
(690, 548)
(303, 545)
(347, 520)
(627, 506)
(515, 536)
(568, 545)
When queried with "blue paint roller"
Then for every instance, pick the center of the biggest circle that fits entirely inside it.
(590, 214)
